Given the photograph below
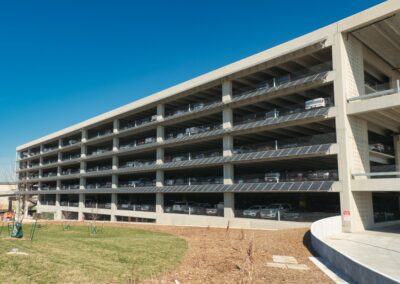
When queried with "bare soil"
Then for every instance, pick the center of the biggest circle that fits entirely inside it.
(239, 256)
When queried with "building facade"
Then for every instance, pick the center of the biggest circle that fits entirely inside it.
(7, 198)
(307, 129)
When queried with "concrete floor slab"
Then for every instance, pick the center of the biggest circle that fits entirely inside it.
(378, 249)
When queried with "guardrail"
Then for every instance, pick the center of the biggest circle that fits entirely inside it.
(378, 91)
(380, 171)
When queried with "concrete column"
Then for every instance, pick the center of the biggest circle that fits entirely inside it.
(114, 181)
(228, 174)
(114, 201)
(227, 142)
(58, 215)
(160, 156)
(352, 133)
(40, 173)
(60, 144)
(159, 203)
(82, 183)
(81, 206)
(227, 91)
(115, 162)
(83, 167)
(83, 151)
(115, 126)
(40, 161)
(160, 133)
(229, 205)
(58, 184)
(227, 118)
(396, 142)
(159, 178)
(84, 135)
(59, 157)
(160, 112)
(115, 144)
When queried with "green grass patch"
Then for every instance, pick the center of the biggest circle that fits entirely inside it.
(74, 256)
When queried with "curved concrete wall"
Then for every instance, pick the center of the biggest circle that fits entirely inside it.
(344, 263)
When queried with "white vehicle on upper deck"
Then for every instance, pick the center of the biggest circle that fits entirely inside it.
(316, 103)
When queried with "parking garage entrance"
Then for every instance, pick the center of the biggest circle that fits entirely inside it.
(302, 207)
(386, 206)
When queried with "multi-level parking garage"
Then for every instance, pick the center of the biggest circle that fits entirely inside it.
(304, 130)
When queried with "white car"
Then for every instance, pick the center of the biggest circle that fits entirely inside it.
(272, 177)
(272, 210)
(316, 103)
(253, 211)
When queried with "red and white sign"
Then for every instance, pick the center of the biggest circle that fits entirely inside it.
(346, 215)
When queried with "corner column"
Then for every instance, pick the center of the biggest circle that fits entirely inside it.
(160, 160)
(114, 200)
(352, 133)
(228, 169)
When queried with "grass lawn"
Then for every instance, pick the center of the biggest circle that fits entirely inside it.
(114, 255)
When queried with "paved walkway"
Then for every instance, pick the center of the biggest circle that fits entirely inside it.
(379, 250)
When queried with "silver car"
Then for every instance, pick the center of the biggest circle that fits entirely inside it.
(272, 210)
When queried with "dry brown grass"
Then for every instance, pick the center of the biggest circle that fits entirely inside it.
(239, 256)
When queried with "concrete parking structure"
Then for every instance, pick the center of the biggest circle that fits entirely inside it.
(310, 126)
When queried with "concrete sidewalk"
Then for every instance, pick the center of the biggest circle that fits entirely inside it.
(378, 250)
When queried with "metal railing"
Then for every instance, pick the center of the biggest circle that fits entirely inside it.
(190, 108)
(289, 176)
(189, 131)
(193, 156)
(144, 207)
(374, 91)
(277, 144)
(138, 122)
(383, 171)
(289, 77)
(193, 181)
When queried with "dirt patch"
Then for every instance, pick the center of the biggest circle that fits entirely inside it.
(239, 256)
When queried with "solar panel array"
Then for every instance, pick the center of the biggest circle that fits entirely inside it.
(270, 89)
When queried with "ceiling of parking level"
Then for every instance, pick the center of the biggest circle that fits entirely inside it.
(383, 38)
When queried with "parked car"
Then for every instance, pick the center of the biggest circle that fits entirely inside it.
(242, 149)
(179, 206)
(179, 158)
(149, 140)
(154, 117)
(253, 211)
(215, 209)
(107, 205)
(125, 206)
(197, 106)
(315, 103)
(72, 141)
(272, 177)
(127, 146)
(169, 182)
(378, 147)
(271, 211)
(145, 207)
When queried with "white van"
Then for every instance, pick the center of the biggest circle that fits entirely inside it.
(315, 103)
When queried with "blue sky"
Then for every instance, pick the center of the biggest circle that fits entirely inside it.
(62, 62)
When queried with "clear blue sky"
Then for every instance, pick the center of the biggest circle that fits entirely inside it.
(62, 62)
